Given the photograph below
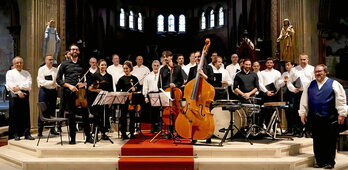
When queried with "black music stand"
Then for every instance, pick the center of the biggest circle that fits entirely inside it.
(137, 99)
(159, 99)
(232, 109)
(108, 98)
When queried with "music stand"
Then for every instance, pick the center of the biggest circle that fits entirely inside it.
(159, 99)
(137, 99)
(108, 98)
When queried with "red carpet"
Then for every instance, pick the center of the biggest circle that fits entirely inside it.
(146, 155)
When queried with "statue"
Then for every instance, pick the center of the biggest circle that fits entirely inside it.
(287, 43)
(51, 42)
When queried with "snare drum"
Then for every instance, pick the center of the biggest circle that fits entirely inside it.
(251, 109)
(222, 119)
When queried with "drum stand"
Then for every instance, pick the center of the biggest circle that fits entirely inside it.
(275, 119)
(255, 129)
(231, 127)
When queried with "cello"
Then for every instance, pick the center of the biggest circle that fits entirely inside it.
(196, 121)
(170, 113)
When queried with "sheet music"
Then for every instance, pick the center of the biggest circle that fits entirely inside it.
(154, 99)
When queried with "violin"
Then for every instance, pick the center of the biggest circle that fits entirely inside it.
(196, 121)
(81, 100)
(132, 106)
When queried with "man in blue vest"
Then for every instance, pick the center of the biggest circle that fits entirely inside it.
(323, 104)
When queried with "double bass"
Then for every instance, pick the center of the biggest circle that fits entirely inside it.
(196, 121)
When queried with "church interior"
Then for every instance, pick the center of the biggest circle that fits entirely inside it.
(131, 28)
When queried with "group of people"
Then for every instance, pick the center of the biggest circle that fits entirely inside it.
(320, 101)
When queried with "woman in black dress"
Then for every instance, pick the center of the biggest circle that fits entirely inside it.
(101, 81)
(127, 83)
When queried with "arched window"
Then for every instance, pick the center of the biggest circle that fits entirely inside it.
(182, 23)
(160, 23)
(212, 19)
(140, 22)
(203, 21)
(131, 19)
(122, 18)
(221, 16)
(171, 23)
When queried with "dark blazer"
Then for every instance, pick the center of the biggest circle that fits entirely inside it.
(164, 79)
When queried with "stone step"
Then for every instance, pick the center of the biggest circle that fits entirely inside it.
(4, 164)
(284, 163)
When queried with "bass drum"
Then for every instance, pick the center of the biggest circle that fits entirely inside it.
(222, 120)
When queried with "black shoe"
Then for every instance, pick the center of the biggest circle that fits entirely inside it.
(39, 134)
(89, 140)
(54, 132)
(16, 137)
(328, 166)
(29, 137)
(124, 136)
(104, 137)
(208, 140)
(72, 142)
(193, 142)
(318, 166)
(132, 137)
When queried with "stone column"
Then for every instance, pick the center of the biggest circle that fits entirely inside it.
(34, 16)
(274, 27)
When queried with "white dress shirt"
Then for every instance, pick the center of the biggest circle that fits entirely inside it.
(232, 70)
(225, 75)
(93, 70)
(116, 73)
(267, 77)
(140, 72)
(45, 71)
(340, 98)
(306, 75)
(22, 79)
(187, 67)
(150, 83)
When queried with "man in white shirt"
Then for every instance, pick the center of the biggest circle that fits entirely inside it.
(323, 106)
(299, 79)
(232, 70)
(46, 80)
(220, 92)
(18, 82)
(268, 83)
(192, 63)
(116, 70)
(140, 71)
(150, 85)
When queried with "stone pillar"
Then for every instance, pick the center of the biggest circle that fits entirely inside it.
(274, 27)
(34, 16)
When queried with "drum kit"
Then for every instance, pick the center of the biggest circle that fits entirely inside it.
(231, 117)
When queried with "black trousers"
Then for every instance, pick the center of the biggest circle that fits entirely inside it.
(266, 112)
(19, 116)
(297, 125)
(49, 97)
(101, 117)
(124, 118)
(70, 98)
(324, 133)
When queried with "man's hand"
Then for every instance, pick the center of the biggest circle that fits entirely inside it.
(224, 82)
(15, 89)
(80, 85)
(172, 85)
(72, 88)
(146, 100)
(21, 95)
(341, 120)
(269, 93)
(246, 95)
(303, 119)
(296, 90)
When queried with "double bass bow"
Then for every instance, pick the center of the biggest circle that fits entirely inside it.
(196, 121)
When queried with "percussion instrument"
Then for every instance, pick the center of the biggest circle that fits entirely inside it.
(222, 119)
(225, 102)
(251, 109)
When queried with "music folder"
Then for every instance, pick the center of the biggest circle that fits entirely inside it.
(217, 80)
(297, 83)
(271, 87)
(48, 77)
